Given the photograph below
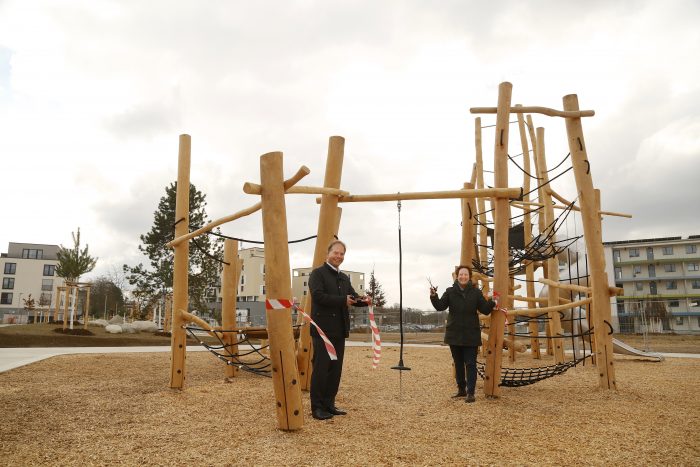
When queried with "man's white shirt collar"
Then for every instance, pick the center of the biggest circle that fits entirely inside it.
(332, 267)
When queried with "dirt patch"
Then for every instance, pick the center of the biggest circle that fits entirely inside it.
(117, 409)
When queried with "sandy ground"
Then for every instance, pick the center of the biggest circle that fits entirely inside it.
(118, 410)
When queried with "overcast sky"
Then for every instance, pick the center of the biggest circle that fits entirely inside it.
(93, 96)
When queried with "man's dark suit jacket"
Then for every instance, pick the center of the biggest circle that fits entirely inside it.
(329, 309)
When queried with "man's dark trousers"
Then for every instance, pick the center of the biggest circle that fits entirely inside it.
(325, 376)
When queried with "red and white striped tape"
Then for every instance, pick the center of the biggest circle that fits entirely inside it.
(281, 304)
(496, 297)
(376, 340)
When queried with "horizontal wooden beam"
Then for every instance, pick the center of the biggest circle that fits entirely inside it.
(210, 226)
(537, 110)
(512, 193)
(255, 189)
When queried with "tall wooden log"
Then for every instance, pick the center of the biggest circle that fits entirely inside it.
(593, 236)
(229, 291)
(328, 221)
(527, 228)
(553, 263)
(501, 280)
(178, 339)
(467, 250)
(285, 375)
(480, 203)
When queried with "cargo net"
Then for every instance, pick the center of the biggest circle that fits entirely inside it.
(252, 359)
(516, 377)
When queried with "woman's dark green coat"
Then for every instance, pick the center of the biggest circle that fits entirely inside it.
(463, 320)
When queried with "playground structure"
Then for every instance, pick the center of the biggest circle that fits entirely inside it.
(290, 358)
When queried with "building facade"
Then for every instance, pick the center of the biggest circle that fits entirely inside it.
(660, 278)
(27, 269)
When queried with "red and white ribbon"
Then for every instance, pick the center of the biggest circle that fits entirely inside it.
(496, 297)
(281, 304)
(376, 340)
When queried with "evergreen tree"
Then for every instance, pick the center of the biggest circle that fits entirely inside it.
(374, 290)
(74, 262)
(205, 253)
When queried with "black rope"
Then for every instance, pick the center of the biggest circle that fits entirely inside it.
(258, 242)
(516, 377)
(207, 254)
(401, 367)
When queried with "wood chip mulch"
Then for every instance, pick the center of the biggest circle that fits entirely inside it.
(117, 409)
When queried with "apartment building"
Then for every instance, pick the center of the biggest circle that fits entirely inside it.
(661, 282)
(27, 269)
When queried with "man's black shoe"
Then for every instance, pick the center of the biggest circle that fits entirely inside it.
(336, 411)
(470, 398)
(320, 414)
(460, 393)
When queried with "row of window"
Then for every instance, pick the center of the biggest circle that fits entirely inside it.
(7, 297)
(667, 250)
(637, 269)
(49, 269)
(8, 283)
(670, 285)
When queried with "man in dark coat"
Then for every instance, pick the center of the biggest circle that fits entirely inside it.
(462, 331)
(331, 295)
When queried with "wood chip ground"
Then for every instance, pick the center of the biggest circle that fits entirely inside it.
(117, 409)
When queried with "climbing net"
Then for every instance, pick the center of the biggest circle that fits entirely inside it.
(252, 360)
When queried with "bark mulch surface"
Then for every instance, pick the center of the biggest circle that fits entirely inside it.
(117, 409)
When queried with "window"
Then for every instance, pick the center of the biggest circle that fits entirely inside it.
(652, 270)
(45, 299)
(668, 250)
(304, 292)
(679, 320)
(6, 298)
(695, 284)
(693, 266)
(8, 282)
(670, 267)
(10, 268)
(31, 253)
(650, 253)
(296, 273)
(671, 285)
(652, 288)
(637, 270)
(47, 284)
(49, 269)
(262, 290)
(242, 280)
(241, 289)
(690, 249)
(304, 283)
(634, 252)
(673, 303)
(639, 286)
(618, 273)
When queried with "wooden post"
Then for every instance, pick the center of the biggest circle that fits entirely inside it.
(553, 263)
(86, 315)
(178, 339)
(66, 291)
(501, 282)
(328, 220)
(527, 238)
(467, 250)
(592, 232)
(285, 375)
(229, 289)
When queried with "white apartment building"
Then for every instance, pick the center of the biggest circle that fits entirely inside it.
(659, 276)
(27, 269)
(300, 282)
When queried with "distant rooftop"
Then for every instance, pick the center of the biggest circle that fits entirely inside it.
(651, 240)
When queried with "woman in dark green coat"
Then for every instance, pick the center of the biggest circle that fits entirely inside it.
(462, 331)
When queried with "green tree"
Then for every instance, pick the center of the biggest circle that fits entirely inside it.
(374, 290)
(152, 283)
(106, 298)
(74, 262)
